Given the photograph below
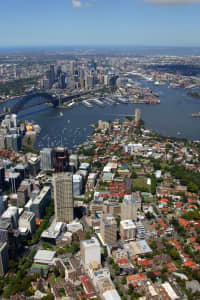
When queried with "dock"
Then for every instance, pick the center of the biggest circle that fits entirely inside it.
(98, 102)
(87, 104)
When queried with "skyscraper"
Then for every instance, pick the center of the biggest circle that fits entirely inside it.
(61, 159)
(63, 197)
(46, 159)
(137, 115)
(52, 75)
(2, 177)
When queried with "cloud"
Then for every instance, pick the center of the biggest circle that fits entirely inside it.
(76, 3)
(172, 2)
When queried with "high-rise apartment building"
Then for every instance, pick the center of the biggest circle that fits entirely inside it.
(137, 115)
(130, 206)
(63, 197)
(127, 230)
(46, 159)
(108, 229)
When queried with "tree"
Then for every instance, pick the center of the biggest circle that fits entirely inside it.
(48, 297)
(123, 280)
(105, 252)
(75, 248)
(56, 271)
(87, 235)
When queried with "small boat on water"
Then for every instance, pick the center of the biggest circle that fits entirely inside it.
(61, 114)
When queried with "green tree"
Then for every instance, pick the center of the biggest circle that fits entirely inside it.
(123, 280)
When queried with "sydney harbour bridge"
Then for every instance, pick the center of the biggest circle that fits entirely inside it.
(36, 98)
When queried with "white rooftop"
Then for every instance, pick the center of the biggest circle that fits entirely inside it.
(128, 224)
(45, 256)
(90, 243)
(111, 295)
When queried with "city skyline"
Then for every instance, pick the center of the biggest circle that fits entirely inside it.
(95, 22)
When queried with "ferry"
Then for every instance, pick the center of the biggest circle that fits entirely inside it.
(196, 115)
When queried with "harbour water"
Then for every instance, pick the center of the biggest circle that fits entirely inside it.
(70, 127)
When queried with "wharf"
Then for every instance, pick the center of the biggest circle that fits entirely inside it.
(87, 104)
(98, 102)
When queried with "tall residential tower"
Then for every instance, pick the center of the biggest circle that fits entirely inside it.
(63, 197)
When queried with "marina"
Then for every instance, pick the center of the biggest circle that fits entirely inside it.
(87, 104)
(98, 102)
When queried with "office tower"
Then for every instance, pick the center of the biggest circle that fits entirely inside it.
(14, 181)
(61, 159)
(14, 120)
(2, 204)
(127, 230)
(77, 185)
(58, 73)
(73, 158)
(10, 236)
(11, 215)
(16, 142)
(27, 220)
(45, 84)
(63, 197)
(46, 159)
(40, 200)
(137, 115)
(2, 142)
(9, 142)
(72, 67)
(108, 229)
(34, 165)
(112, 81)
(22, 169)
(52, 75)
(27, 183)
(90, 252)
(130, 205)
(62, 81)
(3, 258)
(22, 196)
(2, 177)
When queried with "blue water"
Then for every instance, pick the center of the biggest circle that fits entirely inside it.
(170, 118)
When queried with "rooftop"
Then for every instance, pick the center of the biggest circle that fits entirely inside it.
(44, 255)
(43, 192)
(126, 224)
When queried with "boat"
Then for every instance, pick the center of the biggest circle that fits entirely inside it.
(196, 115)
(87, 104)
(61, 114)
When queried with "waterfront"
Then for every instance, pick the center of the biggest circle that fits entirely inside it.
(170, 118)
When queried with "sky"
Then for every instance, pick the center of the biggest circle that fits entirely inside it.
(99, 22)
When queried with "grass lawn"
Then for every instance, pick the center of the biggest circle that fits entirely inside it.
(141, 183)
